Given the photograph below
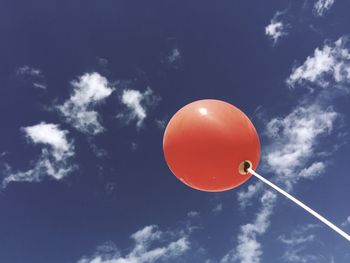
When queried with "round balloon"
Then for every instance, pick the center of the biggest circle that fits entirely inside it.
(208, 145)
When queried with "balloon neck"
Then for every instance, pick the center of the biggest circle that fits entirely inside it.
(247, 166)
(244, 166)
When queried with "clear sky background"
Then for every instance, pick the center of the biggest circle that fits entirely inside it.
(87, 88)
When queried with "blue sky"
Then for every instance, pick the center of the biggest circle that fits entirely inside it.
(87, 88)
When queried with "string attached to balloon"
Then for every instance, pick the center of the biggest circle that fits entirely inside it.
(299, 203)
(210, 145)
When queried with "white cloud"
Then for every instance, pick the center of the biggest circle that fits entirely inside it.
(329, 65)
(218, 208)
(346, 222)
(144, 250)
(137, 104)
(102, 62)
(90, 90)
(244, 196)
(26, 70)
(132, 99)
(313, 170)
(34, 74)
(39, 85)
(297, 255)
(99, 152)
(174, 55)
(174, 58)
(51, 135)
(249, 250)
(54, 159)
(193, 214)
(322, 6)
(296, 240)
(134, 146)
(296, 245)
(276, 29)
(295, 138)
(161, 124)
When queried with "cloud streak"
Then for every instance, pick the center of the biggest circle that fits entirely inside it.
(249, 250)
(296, 245)
(30, 71)
(137, 105)
(144, 250)
(295, 140)
(89, 90)
(346, 222)
(276, 29)
(34, 74)
(54, 159)
(321, 7)
(329, 66)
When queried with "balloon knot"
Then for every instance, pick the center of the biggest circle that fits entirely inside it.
(246, 166)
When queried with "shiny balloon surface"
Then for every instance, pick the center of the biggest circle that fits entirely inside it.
(205, 143)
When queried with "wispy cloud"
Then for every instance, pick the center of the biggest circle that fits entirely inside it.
(172, 55)
(34, 75)
(329, 66)
(218, 208)
(89, 90)
(313, 170)
(173, 58)
(193, 214)
(27, 70)
(276, 29)
(39, 85)
(161, 124)
(244, 197)
(249, 250)
(297, 254)
(346, 222)
(295, 140)
(293, 241)
(137, 104)
(54, 159)
(296, 245)
(99, 152)
(167, 247)
(321, 7)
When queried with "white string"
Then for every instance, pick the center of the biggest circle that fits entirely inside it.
(311, 211)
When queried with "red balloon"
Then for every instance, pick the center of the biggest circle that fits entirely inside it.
(207, 143)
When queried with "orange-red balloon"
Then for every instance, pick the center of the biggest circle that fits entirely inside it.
(207, 141)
